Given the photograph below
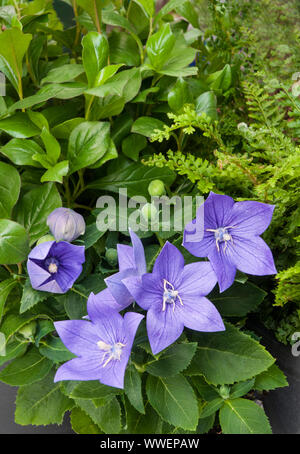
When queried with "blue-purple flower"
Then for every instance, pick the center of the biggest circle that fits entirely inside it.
(132, 262)
(231, 237)
(65, 224)
(54, 267)
(102, 345)
(174, 297)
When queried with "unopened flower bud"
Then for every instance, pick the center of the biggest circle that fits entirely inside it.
(65, 224)
(111, 256)
(28, 331)
(224, 391)
(45, 238)
(149, 212)
(156, 188)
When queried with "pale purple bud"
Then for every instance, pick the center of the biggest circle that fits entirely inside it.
(65, 224)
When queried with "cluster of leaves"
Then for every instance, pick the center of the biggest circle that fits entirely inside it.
(86, 107)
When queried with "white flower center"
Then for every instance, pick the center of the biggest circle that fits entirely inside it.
(222, 235)
(170, 295)
(112, 351)
(52, 268)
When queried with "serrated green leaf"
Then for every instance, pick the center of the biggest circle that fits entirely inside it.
(5, 289)
(10, 184)
(174, 360)
(31, 297)
(107, 417)
(174, 400)
(270, 379)
(82, 423)
(133, 388)
(53, 349)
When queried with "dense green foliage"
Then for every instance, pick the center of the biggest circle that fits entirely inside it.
(198, 94)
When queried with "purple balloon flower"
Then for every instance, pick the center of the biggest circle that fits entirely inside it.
(65, 224)
(54, 267)
(132, 262)
(231, 238)
(173, 295)
(102, 345)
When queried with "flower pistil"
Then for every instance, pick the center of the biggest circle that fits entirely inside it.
(114, 351)
(222, 235)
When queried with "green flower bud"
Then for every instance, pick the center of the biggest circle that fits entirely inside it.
(224, 391)
(149, 212)
(156, 188)
(111, 256)
(28, 331)
(45, 238)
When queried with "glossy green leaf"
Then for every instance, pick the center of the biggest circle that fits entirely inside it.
(10, 184)
(57, 172)
(19, 126)
(31, 297)
(179, 95)
(146, 126)
(20, 152)
(14, 246)
(132, 145)
(63, 73)
(159, 46)
(207, 103)
(94, 56)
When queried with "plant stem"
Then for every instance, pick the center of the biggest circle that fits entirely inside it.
(78, 293)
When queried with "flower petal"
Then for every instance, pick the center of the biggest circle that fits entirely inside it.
(198, 243)
(41, 251)
(117, 287)
(200, 314)
(99, 303)
(223, 266)
(82, 369)
(67, 253)
(252, 255)
(169, 263)
(79, 336)
(216, 210)
(198, 279)
(139, 253)
(125, 257)
(163, 327)
(146, 291)
(250, 218)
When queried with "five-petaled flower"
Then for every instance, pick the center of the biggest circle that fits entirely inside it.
(231, 238)
(102, 345)
(132, 262)
(54, 267)
(174, 297)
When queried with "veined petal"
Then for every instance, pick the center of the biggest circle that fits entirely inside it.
(163, 327)
(198, 243)
(67, 275)
(253, 256)
(68, 253)
(223, 266)
(146, 291)
(200, 314)
(198, 279)
(41, 251)
(169, 264)
(250, 218)
(99, 303)
(216, 210)
(82, 369)
(139, 253)
(79, 336)
(125, 257)
(117, 287)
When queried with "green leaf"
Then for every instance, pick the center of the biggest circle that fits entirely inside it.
(159, 46)
(135, 178)
(31, 297)
(174, 400)
(206, 391)
(167, 8)
(94, 56)
(148, 6)
(43, 95)
(114, 18)
(211, 407)
(107, 417)
(10, 184)
(111, 153)
(238, 300)
(179, 95)
(133, 388)
(174, 360)
(146, 126)
(12, 350)
(13, 46)
(14, 245)
(88, 143)
(270, 379)
(93, 8)
(82, 423)
(55, 350)
(52, 146)
(242, 416)
(63, 73)
(57, 172)
(123, 49)
(13, 322)
(19, 126)
(106, 73)
(28, 369)
(239, 357)
(207, 103)
(41, 403)
(5, 289)
(91, 236)
(242, 388)
(138, 423)
(63, 130)
(35, 207)
(220, 80)
(93, 390)
(20, 152)
(132, 145)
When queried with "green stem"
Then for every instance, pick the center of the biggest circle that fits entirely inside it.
(89, 105)
(78, 293)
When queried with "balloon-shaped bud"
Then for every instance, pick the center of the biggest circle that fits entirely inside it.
(156, 188)
(111, 256)
(65, 224)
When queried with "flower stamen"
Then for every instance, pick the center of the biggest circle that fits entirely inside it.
(222, 235)
(114, 351)
(170, 295)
